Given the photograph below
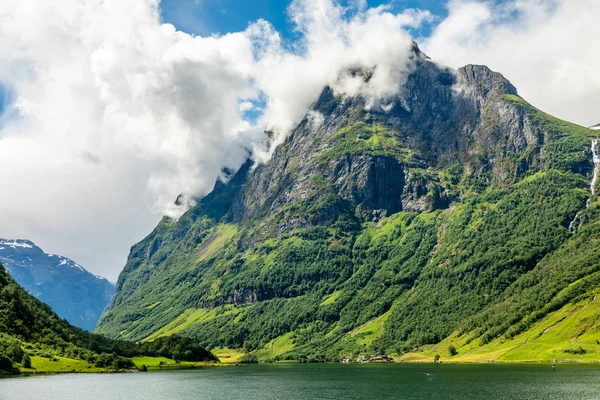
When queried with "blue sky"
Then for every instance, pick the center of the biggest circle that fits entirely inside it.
(205, 17)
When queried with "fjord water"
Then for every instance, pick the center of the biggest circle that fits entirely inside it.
(319, 381)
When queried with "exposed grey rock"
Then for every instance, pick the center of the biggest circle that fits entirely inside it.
(444, 116)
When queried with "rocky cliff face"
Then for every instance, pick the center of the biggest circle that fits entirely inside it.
(375, 225)
(380, 158)
(73, 293)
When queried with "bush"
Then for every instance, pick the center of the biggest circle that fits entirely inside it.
(248, 359)
(12, 350)
(6, 364)
(26, 361)
(176, 347)
(122, 363)
(576, 350)
(452, 351)
(113, 361)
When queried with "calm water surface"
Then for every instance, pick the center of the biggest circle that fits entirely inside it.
(323, 381)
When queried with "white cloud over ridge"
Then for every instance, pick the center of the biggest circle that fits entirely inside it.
(116, 113)
(331, 44)
(547, 48)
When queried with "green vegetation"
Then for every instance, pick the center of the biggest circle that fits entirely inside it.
(361, 138)
(34, 339)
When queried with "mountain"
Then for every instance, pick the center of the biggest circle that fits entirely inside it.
(33, 337)
(595, 127)
(452, 216)
(73, 293)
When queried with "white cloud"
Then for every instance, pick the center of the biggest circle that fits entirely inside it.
(547, 48)
(332, 43)
(117, 113)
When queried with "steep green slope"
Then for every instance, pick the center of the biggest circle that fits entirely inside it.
(35, 339)
(442, 215)
(550, 313)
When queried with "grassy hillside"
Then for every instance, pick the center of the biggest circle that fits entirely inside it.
(34, 339)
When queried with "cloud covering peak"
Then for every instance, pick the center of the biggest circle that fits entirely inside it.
(547, 48)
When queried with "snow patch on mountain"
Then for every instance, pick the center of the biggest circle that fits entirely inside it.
(16, 243)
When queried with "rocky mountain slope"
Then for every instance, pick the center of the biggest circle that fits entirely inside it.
(73, 293)
(439, 217)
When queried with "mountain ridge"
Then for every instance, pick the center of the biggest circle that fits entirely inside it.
(373, 228)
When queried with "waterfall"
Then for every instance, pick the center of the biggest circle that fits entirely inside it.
(573, 222)
(596, 161)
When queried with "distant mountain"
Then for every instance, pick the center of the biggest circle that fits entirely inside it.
(595, 127)
(73, 293)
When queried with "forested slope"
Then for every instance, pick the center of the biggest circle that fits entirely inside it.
(31, 335)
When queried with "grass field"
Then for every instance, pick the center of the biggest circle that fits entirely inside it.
(189, 317)
(331, 298)
(370, 331)
(228, 356)
(275, 347)
(60, 365)
(153, 363)
(223, 233)
(42, 365)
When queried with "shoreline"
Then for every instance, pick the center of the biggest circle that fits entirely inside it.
(287, 362)
(80, 367)
(125, 371)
